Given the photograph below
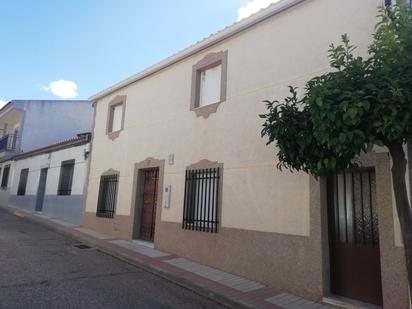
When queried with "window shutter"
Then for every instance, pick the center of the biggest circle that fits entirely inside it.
(117, 118)
(210, 86)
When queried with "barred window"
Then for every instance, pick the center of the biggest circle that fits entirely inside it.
(5, 179)
(66, 178)
(24, 174)
(200, 211)
(107, 196)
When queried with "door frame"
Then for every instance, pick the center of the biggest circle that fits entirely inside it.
(394, 296)
(353, 247)
(137, 194)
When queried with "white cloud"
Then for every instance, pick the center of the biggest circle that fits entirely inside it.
(65, 89)
(3, 102)
(253, 7)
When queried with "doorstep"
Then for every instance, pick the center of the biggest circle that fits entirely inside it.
(227, 289)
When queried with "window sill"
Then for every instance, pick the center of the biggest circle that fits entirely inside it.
(105, 215)
(205, 111)
(113, 135)
(201, 227)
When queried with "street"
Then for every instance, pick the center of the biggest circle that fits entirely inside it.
(40, 268)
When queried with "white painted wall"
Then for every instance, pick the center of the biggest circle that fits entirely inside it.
(53, 162)
(4, 193)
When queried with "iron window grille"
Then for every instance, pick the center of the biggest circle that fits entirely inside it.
(107, 196)
(200, 211)
(24, 174)
(66, 178)
(5, 179)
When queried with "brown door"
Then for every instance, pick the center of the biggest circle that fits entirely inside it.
(354, 236)
(148, 212)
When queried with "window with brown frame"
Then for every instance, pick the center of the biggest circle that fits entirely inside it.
(209, 82)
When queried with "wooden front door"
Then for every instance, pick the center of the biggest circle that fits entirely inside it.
(149, 201)
(354, 236)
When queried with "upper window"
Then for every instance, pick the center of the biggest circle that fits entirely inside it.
(115, 116)
(66, 178)
(5, 179)
(107, 196)
(202, 196)
(209, 79)
(210, 85)
(24, 174)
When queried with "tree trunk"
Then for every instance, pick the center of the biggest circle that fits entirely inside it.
(402, 203)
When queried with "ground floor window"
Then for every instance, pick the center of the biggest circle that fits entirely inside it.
(5, 179)
(107, 196)
(200, 211)
(66, 178)
(24, 173)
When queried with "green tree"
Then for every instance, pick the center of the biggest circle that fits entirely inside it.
(360, 103)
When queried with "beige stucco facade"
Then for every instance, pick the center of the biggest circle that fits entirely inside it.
(272, 226)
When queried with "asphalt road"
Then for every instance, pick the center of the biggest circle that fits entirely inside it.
(40, 268)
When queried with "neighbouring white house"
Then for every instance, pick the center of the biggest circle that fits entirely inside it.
(30, 124)
(50, 180)
(177, 159)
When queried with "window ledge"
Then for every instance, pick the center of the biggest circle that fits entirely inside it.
(113, 135)
(205, 111)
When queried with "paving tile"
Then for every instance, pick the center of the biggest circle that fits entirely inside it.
(248, 287)
(64, 223)
(41, 216)
(283, 299)
(313, 306)
(153, 253)
(300, 304)
(93, 233)
(229, 280)
(289, 301)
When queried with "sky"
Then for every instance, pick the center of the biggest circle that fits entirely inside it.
(72, 49)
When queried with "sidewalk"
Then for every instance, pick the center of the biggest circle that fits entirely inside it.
(224, 288)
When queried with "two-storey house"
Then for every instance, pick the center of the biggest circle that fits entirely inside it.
(177, 160)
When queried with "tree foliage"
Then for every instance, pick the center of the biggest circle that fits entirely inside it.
(360, 103)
